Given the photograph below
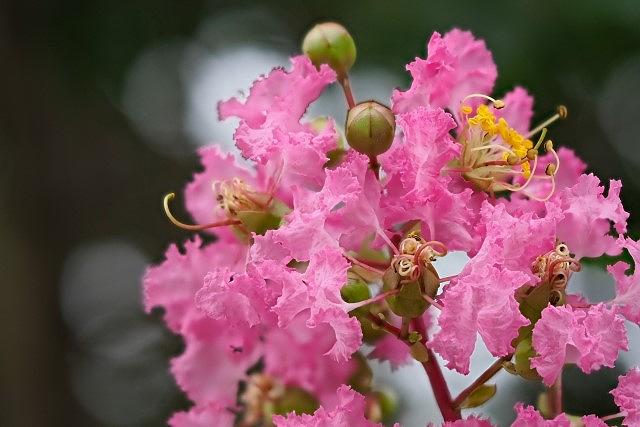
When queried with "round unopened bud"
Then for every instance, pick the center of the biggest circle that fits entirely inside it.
(370, 128)
(330, 43)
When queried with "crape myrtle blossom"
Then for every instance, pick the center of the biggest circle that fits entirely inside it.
(323, 246)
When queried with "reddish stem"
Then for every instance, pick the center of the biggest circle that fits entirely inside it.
(434, 373)
(348, 94)
(555, 398)
(436, 379)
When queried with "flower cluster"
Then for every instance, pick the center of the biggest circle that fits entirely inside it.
(321, 246)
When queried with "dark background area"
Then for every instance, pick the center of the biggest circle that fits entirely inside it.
(82, 172)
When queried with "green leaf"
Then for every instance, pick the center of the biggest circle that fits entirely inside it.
(479, 396)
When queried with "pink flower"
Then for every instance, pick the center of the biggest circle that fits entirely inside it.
(591, 338)
(214, 350)
(281, 96)
(416, 188)
(481, 299)
(174, 283)
(628, 287)
(349, 412)
(527, 416)
(627, 396)
(270, 131)
(456, 66)
(346, 208)
(588, 215)
(296, 355)
(200, 196)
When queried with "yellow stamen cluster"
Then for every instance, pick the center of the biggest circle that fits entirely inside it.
(519, 145)
(494, 154)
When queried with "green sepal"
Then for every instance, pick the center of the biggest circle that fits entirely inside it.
(408, 302)
(479, 396)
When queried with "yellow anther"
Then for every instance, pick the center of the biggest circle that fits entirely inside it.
(466, 109)
(548, 146)
(512, 159)
(532, 153)
(498, 104)
(550, 169)
(562, 111)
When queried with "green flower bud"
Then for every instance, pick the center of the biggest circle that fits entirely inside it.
(356, 290)
(370, 128)
(330, 43)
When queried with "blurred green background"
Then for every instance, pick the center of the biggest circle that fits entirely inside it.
(105, 103)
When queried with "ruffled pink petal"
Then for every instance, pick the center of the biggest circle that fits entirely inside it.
(588, 215)
(391, 349)
(234, 298)
(628, 286)
(416, 190)
(211, 415)
(214, 351)
(270, 131)
(360, 216)
(591, 338)
(527, 416)
(481, 299)
(348, 412)
(518, 109)
(593, 421)
(297, 157)
(174, 283)
(281, 93)
(627, 396)
(314, 371)
(346, 207)
(457, 65)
